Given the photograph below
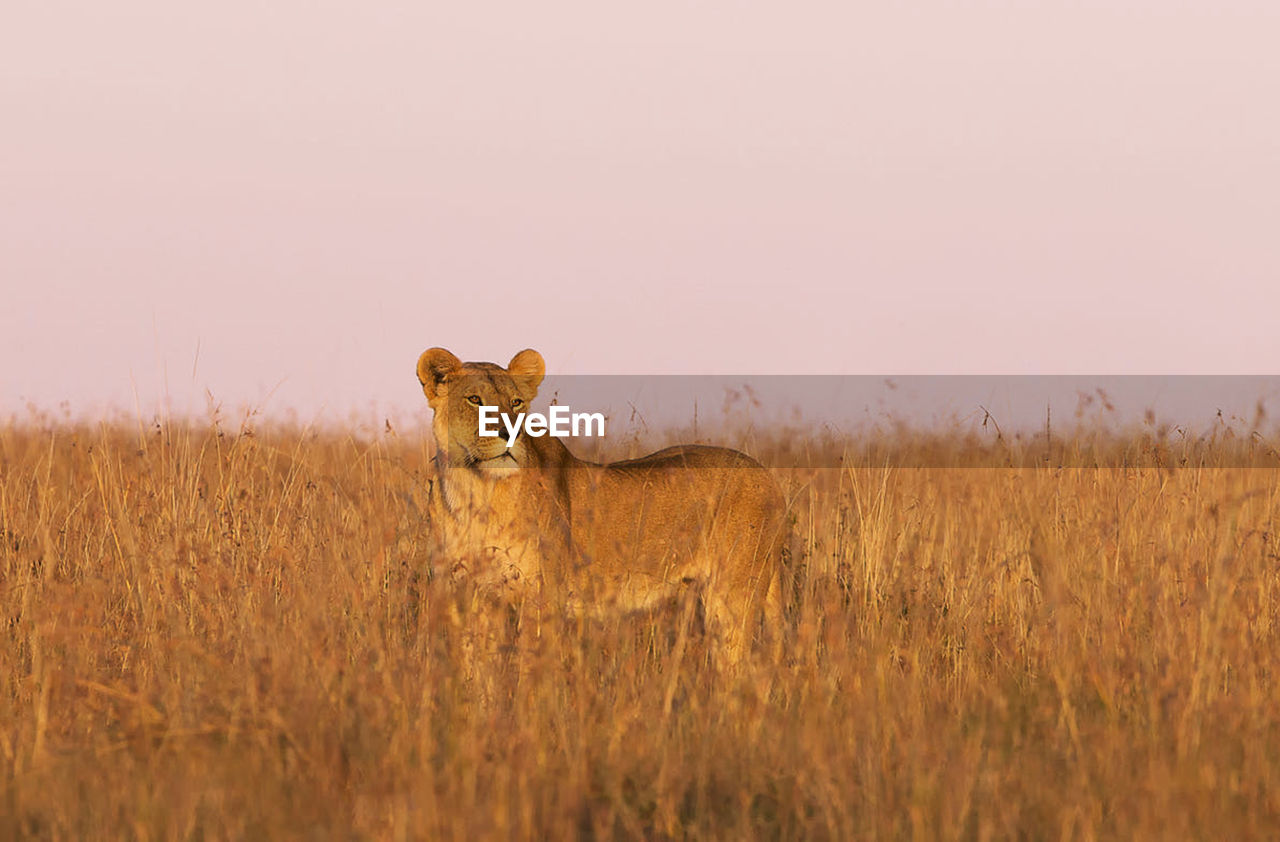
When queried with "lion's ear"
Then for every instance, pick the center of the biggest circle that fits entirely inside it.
(528, 367)
(435, 366)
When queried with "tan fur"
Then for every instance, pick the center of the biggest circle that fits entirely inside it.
(538, 524)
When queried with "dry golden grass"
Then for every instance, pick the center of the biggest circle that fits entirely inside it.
(208, 636)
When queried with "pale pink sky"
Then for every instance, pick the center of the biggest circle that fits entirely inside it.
(311, 193)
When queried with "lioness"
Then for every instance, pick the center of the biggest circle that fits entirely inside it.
(535, 522)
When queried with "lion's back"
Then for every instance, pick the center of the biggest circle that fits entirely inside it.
(688, 456)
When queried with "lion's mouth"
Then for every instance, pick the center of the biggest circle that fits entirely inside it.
(500, 460)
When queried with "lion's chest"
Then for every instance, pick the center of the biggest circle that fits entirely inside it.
(494, 533)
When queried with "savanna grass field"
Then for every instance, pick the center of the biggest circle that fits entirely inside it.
(218, 631)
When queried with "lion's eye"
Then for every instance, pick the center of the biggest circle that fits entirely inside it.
(517, 403)
(475, 399)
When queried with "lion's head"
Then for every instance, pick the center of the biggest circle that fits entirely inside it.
(456, 390)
